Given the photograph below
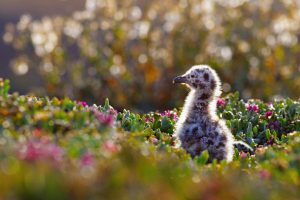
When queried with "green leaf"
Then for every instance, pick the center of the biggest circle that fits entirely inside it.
(148, 132)
(106, 104)
(6, 87)
(255, 130)
(268, 134)
(166, 125)
(203, 158)
(228, 115)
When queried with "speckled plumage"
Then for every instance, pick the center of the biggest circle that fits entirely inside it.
(199, 128)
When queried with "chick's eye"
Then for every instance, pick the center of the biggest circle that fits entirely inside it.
(192, 76)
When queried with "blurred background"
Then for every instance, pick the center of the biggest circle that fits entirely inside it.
(130, 50)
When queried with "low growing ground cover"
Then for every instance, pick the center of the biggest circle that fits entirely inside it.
(66, 149)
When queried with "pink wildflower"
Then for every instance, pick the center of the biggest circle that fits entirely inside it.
(35, 150)
(110, 146)
(253, 107)
(30, 151)
(265, 174)
(268, 113)
(243, 154)
(104, 118)
(53, 151)
(87, 159)
(170, 113)
(149, 119)
(220, 102)
(270, 105)
(83, 103)
(154, 141)
(113, 112)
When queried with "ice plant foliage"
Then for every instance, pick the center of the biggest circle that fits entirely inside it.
(54, 147)
(171, 114)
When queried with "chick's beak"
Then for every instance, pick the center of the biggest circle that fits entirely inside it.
(179, 79)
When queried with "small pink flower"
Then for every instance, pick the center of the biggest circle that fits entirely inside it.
(243, 154)
(154, 141)
(110, 146)
(220, 102)
(170, 113)
(53, 151)
(30, 151)
(83, 103)
(35, 150)
(87, 159)
(149, 119)
(253, 107)
(30, 99)
(265, 174)
(268, 113)
(104, 118)
(113, 112)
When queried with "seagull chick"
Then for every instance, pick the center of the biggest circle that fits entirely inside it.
(199, 128)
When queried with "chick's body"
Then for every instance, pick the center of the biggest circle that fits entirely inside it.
(199, 127)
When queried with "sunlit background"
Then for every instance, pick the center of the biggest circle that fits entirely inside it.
(130, 50)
